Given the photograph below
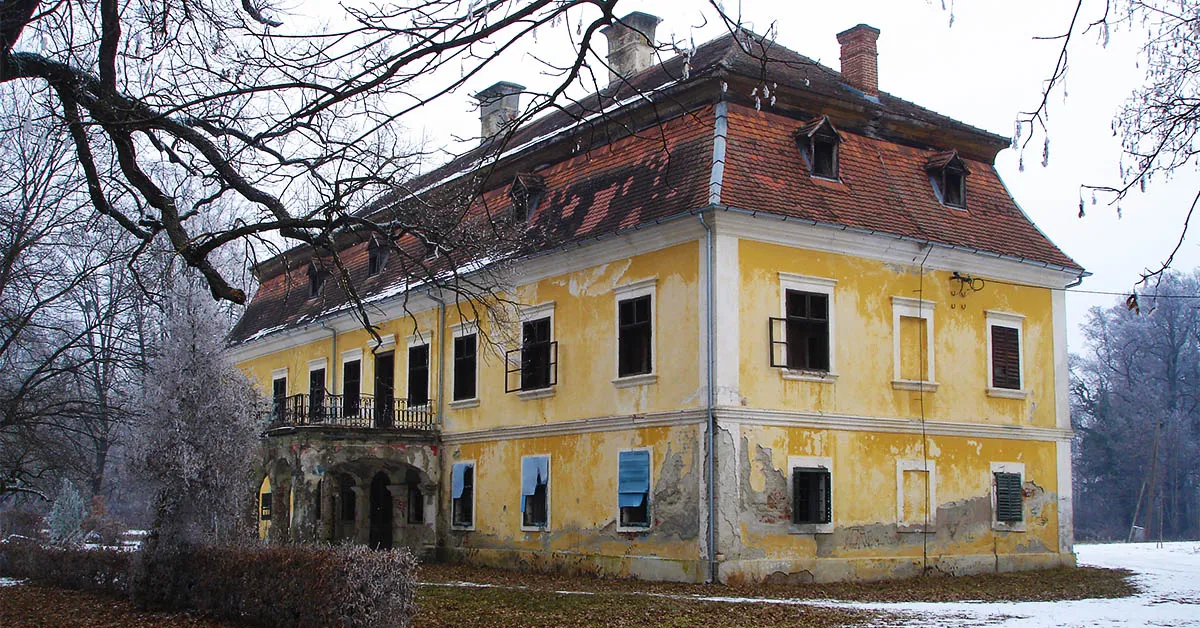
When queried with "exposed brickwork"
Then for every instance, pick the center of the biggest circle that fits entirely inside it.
(860, 61)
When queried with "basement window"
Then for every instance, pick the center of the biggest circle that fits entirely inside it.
(948, 173)
(462, 495)
(819, 142)
(535, 493)
(811, 481)
(1008, 496)
(633, 488)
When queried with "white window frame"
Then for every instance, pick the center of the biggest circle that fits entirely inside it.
(277, 374)
(352, 355)
(549, 494)
(386, 343)
(913, 308)
(1006, 319)
(458, 331)
(816, 285)
(316, 365)
(637, 289)
(531, 313)
(810, 462)
(416, 340)
(930, 467)
(649, 502)
(474, 494)
(1007, 467)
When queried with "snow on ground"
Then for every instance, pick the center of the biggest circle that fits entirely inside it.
(1169, 579)
(9, 582)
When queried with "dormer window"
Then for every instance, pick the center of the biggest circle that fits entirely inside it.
(819, 141)
(948, 174)
(376, 257)
(316, 279)
(526, 192)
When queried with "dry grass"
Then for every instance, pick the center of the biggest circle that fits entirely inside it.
(29, 605)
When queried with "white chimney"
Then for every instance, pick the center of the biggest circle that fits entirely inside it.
(631, 45)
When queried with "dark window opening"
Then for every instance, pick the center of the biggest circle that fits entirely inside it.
(416, 504)
(535, 354)
(348, 498)
(535, 507)
(376, 258)
(316, 393)
(1006, 357)
(463, 495)
(807, 331)
(279, 397)
(535, 491)
(351, 388)
(385, 401)
(633, 337)
(1009, 498)
(464, 367)
(316, 280)
(418, 375)
(526, 192)
(265, 507)
(811, 496)
(824, 156)
(954, 188)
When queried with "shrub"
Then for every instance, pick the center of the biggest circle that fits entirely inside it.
(23, 521)
(282, 586)
(108, 529)
(66, 516)
(71, 568)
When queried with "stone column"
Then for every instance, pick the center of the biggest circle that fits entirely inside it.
(430, 493)
(362, 514)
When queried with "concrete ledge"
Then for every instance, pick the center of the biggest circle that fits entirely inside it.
(866, 569)
(641, 567)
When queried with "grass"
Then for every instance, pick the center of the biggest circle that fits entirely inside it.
(29, 605)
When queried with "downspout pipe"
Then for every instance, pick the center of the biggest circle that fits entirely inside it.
(333, 359)
(711, 419)
(441, 372)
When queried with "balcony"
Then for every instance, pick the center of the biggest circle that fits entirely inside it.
(360, 412)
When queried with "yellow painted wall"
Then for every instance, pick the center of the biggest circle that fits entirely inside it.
(864, 341)
(583, 493)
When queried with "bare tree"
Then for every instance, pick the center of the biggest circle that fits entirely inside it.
(1159, 125)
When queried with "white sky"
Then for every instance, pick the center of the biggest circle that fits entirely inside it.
(983, 69)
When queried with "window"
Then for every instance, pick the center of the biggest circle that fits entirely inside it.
(633, 339)
(316, 389)
(811, 497)
(279, 394)
(526, 193)
(633, 488)
(535, 492)
(819, 141)
(1008, 496)
(418, 375)
(316, 279)
(1005, 378)
(948, 173)
(916, 495)
(264, 508)
(416, 504)
(912, 344)
(352, 383)
(377, 254)
(462, 495)
(465, 366)
(531, 370)
(802, 338)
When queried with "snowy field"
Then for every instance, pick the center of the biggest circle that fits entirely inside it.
(1169, 578)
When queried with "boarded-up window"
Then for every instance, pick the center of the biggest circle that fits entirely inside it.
(1009, 499)
(1006, 357)
(916, 497)
(913, 360)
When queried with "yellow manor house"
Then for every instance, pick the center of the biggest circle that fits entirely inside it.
(778, 326)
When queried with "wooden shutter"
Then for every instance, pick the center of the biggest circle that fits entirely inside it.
(1006, 358)
(1009, 503)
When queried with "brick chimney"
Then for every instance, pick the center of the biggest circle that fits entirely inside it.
(498, 107)
(630, 45)
(860, 64)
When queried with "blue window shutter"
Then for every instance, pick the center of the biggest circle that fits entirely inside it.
(633, 478)
(456, 479)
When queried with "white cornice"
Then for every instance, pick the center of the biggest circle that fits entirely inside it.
(776, 229)
(852, 423)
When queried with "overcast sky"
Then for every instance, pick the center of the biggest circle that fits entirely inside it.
(983, 69)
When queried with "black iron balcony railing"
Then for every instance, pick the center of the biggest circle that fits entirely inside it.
(358, 411)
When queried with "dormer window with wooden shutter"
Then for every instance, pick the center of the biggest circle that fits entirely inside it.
(948, 174)
(526, 193)
(819, 141)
